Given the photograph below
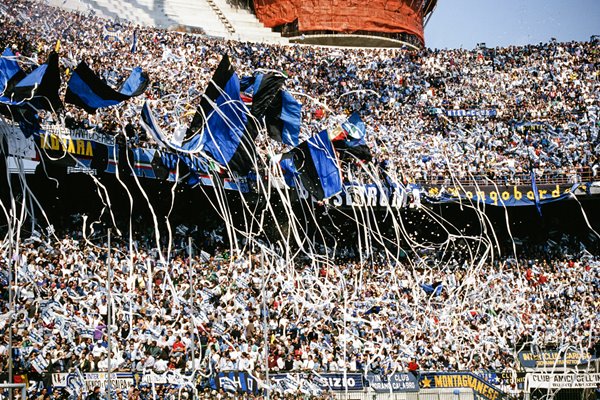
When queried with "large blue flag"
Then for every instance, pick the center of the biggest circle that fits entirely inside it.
(39, 88)
(281, 111)
(88, 91)
(225, 131)
(36, 91)
(315, 163)
(10, 72)
(283, 118)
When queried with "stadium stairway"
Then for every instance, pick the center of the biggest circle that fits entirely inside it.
(199, 13)
(215, 17)
(246, 26)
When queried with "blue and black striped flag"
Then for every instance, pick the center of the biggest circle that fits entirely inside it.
(86, 90)
(315, 164)
(10, 72)
(281, 112)
(221, 126)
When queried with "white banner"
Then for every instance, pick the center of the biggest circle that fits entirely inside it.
(169, 377)
(558, 381)
(119, 380)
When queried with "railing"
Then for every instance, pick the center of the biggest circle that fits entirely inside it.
(423, 394)
(553, 177)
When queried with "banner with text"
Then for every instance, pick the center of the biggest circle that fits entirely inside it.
(509, 196)
(234, 382)
(460, 380)
(118, 380)
(550, 359)
(395, 383)
(504, 379)
(562, 381)
(314, 384)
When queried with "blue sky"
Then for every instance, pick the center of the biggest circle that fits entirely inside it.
(464, 23)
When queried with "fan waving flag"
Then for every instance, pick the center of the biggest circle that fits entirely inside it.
(536, 194)
(86, 90)
(355, 127)
(315, 163)
(10, 72)
(227, 134)
(136, 84)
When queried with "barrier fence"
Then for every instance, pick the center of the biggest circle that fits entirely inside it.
(359, 386)
(424, 394)
(482, 385)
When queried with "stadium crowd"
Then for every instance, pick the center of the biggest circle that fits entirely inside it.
(322, 317)
(545, 96)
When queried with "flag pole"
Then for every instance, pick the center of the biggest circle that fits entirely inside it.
(10, 320)
(265, 321)
(108, 316)
(192, 305)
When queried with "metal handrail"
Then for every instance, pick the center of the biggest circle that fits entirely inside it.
(558, 177)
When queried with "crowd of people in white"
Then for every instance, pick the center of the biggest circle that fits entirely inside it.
(342, 314)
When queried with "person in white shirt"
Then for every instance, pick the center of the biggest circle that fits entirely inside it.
(244, 363)
(309, 364)
(98, 351)
(160, 366)
(149, 362)
(298, 364)
(280, 363)
(103, 364)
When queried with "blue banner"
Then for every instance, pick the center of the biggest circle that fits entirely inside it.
(508, 378)
(235, 382)
(395, 383)
(337, 382)
(509, 196)
(460, 380)
(550, 359)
